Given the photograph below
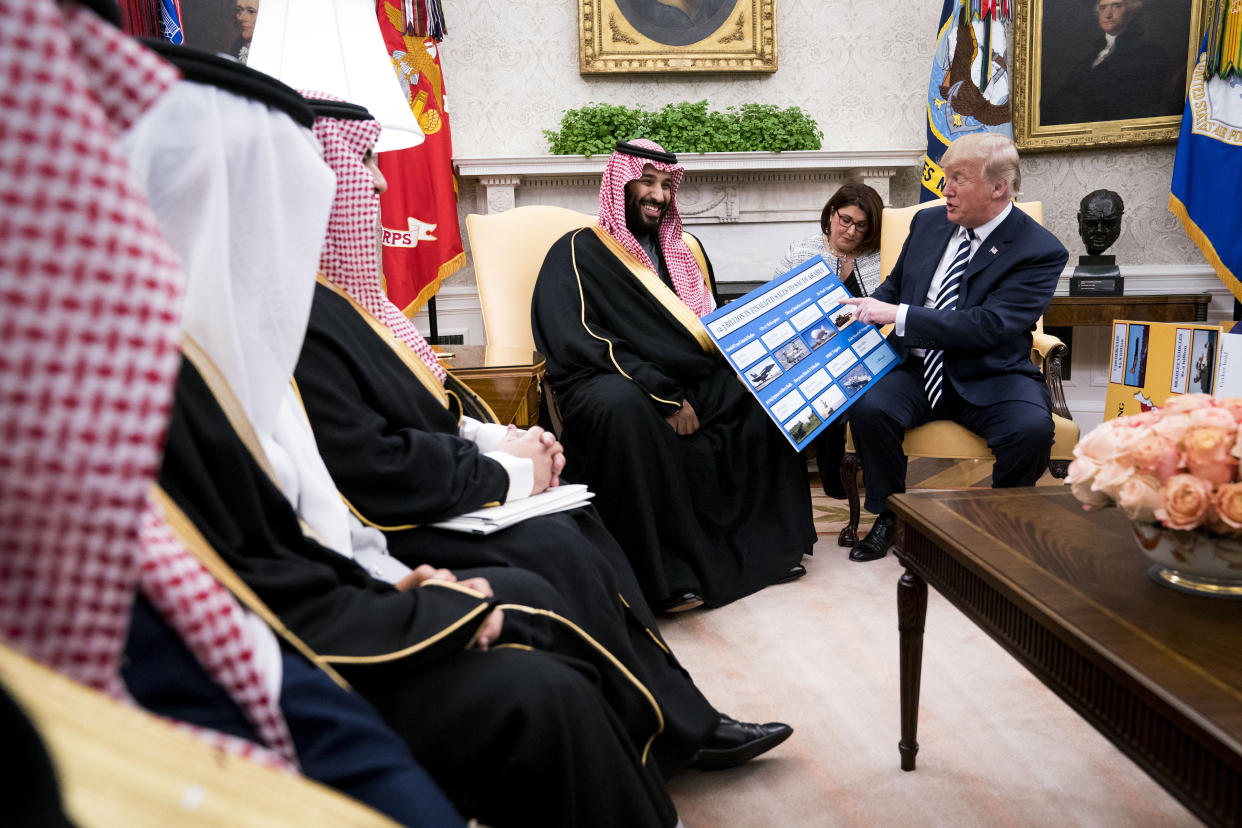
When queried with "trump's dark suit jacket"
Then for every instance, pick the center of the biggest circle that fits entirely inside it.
(1007, 287)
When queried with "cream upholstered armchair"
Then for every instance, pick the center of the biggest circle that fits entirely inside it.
(944, 438)
(508, 250)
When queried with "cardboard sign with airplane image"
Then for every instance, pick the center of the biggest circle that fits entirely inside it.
(1152, 361)
(801, 352)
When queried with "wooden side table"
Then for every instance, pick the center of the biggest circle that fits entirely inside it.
(1073, 311)
(510, 380)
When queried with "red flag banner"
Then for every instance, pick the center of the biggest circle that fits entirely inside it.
(421, 238)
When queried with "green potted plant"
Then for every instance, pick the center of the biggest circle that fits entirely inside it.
(685, 127)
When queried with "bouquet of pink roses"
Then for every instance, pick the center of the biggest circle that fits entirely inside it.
(1176, 466)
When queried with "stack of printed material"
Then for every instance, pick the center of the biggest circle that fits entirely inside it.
(491, 519)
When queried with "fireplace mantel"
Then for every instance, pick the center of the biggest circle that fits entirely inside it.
(721, 187)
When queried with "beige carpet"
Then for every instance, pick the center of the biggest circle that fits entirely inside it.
(996, 746)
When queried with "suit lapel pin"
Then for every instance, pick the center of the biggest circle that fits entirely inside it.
(993, 251)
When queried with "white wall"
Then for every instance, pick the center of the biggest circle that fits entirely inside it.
(860, 69)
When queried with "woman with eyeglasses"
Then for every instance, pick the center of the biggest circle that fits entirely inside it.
(849, 240)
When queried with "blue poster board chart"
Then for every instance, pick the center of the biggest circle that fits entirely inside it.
(800, 351)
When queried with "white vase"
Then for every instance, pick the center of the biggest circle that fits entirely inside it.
(1197, 562)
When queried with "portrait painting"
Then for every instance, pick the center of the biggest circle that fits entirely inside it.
(620, 36)
(222, 26)
(1102, 72)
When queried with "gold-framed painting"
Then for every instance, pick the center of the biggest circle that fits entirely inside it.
(1101, 73)
(623, 36)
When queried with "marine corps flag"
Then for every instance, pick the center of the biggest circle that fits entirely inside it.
(969, 86)
(421, 239)
(1208, 167)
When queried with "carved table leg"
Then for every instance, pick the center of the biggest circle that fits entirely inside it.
(911, 615)
(850, 464)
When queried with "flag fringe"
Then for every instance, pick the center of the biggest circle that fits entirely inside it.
(1205, 246)
(431, 288)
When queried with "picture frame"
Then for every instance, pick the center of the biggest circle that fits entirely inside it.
(654, 36)
(1135, 95)
(222, 26)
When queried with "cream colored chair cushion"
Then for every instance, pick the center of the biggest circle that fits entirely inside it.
(508, 250)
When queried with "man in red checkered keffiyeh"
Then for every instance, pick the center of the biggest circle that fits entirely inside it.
(350, 259)
(705, 496)
(623, 211)
(88, 356)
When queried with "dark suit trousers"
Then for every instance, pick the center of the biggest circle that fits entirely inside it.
(1019, 433)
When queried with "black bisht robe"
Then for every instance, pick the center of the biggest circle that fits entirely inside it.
(546, 732)
(392, 447)
(723, 512)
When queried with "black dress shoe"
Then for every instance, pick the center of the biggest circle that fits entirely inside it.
(878, 540)
(733, 743)
(681, 602)
(795, 572)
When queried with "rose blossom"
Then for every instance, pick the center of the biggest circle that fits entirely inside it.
(1207, 454)
(1185, 403)
(1214, 417)
(1082, 472)
(1173, 426)
(1139, 496)
(1144, 418)
(1233, 405)
(1228, 503)
(1110, 477)
(1105, 442)
(1185, 502)
(1155, 454)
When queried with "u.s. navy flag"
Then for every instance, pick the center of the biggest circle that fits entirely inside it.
(421, 239)
(969, 86)
(1208, 167)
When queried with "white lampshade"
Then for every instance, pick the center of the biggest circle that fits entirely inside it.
(335, 46)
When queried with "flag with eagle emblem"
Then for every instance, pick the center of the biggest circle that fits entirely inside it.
(969, 86)
(421, 239)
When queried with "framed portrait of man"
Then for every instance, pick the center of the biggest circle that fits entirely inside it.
(1102, 72)
(223, 26)
(622, 36)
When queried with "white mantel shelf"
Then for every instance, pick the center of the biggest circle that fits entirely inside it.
(720, 188)
(802, 161)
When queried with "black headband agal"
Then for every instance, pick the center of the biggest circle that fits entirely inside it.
(627, 148)
(339, 109)
(227, 74)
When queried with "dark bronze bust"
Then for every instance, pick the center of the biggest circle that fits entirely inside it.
(1099, 225)
(1099, 220)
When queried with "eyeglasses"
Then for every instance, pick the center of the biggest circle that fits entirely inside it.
(847, 223)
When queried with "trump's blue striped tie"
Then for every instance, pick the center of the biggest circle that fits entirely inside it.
(946, 299)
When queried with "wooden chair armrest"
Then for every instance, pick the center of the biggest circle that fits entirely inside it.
(1051, 353)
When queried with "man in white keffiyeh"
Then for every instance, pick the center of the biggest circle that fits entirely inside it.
(706, 497)
(191, 152)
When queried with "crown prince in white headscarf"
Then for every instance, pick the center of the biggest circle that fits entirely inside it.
(704, 494)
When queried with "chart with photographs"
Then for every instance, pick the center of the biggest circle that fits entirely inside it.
(1152, 361)
(801, 352)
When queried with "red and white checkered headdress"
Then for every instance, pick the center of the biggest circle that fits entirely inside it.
(350, 260)
(89, 295)
(622, 168)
